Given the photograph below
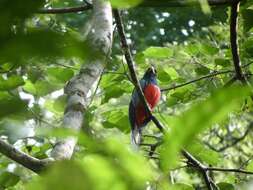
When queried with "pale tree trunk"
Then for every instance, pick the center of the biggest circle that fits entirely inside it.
(100, 40)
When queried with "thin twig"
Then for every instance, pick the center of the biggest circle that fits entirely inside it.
(213, 74)
(196, 80)
(235, 140)
(229, 170)
(67, 66)
(95, 92)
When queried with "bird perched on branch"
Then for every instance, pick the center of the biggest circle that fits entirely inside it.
(137, 114)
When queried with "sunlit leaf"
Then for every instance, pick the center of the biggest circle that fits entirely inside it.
(226, 186)
(125, 3)
(11, 82)
(204, 154)
(60, 74)
(158, 52)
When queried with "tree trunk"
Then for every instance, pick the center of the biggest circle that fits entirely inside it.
(99, 39)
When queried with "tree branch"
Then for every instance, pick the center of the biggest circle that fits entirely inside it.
(22, 158)
(233, 40)
(193, 162)
(198, 79)
(65, 10)
(213, 74)
(235, 140)
(229, 170)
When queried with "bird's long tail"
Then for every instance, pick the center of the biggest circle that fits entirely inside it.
(135, 137)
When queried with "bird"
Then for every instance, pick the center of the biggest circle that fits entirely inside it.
(137, 115)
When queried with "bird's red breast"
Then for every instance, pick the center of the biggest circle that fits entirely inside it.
(152, 94)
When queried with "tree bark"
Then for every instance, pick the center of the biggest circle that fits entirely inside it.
(99, 39)
(22, 158)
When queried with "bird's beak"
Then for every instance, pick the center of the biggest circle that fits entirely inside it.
(153, 70)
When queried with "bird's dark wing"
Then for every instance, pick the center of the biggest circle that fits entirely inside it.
(135, 97)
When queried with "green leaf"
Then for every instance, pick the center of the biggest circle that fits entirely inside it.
(248, 46)
(41, 88)
(60, 74)
(199, 117)
(11, 83)
(44, 88)
(14, 12)
(192, 49)
(34, 43)
(171, 101)
(11, 106)
(158, 52)
(8, 179)
(59, 104)
(118, 119)
(226, 186)
(171, 72)
(209, 49)
(204, 154)
(250, 166)
(247, 15)
(56, 177)
(114, 90)
(202, 71)
(222, 62)
(125, 3)
(106, 165)
(205, 6)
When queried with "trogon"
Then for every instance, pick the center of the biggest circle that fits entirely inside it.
(137, 114)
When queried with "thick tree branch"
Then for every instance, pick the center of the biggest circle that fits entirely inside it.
(233, 40)
(22, 158)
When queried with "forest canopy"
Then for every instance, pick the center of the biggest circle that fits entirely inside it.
(68, 69)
